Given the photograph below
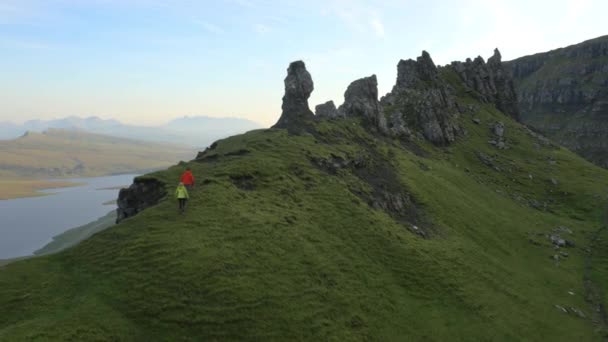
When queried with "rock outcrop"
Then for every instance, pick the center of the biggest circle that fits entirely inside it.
(489, 82)
(326, 110)
(422, 101)
(298, 87)
(564, 94)
(143, 193)
(361, 100)
(421, 105)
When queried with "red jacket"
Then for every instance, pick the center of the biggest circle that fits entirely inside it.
(187, 178)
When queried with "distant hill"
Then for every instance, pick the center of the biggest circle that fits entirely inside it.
(63, 153)
(563, 93)
(197, 131)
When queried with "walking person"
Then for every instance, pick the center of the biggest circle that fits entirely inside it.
(188, 179)
(182, 197)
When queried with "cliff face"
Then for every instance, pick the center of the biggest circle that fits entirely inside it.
(143, 193)
(564, 94)
(422, 101)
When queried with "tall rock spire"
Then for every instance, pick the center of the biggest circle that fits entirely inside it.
(298, 87)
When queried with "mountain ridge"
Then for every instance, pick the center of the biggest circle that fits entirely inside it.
(358, 225)
(563, 93)
(182, 130)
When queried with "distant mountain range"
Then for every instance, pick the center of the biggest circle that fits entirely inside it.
(198, 131)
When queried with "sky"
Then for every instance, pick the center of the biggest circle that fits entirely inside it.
(147, 62)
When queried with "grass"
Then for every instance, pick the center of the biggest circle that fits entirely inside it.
(73, 236)
(274, 247)
(18, 188)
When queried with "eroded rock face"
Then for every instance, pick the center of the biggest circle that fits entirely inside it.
(298, 87)
(361, 99)
(326, 110)
(422, 101)
(564, 94)
(143, 193)
(489, 82)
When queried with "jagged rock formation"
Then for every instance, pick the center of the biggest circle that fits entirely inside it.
(298, 87)
(326, 110)
(489, 82)
(143, 193)
(564, 94)
(422, 103)
(421, 100)
(361, 99)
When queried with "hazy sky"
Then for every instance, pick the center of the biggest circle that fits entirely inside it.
(150, 61)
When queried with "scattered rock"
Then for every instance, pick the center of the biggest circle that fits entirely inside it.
(562, 229)
(554, 181)
(499, 129)
(476, 121)
(557, 241)
(578, 312)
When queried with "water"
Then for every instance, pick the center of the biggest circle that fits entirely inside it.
(27, 224)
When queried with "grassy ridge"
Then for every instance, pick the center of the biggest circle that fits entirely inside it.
(274, 246)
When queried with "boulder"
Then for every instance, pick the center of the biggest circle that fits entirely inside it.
(326, 110)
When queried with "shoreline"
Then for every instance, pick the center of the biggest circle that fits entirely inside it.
(27, 188)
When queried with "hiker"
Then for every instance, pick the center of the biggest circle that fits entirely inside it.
(182, 196)
(188, 179)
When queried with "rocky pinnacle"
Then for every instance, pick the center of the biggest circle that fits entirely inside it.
(361, 99)
(298, 87)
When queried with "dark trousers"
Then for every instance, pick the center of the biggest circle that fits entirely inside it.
(189, 187)
(182, 204)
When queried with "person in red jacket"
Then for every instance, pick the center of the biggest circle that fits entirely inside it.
(188, 179)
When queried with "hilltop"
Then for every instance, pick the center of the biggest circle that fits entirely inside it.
(563, 94)
(428, 214)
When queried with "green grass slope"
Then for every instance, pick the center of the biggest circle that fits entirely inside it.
(75, 235)
(278, 244)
